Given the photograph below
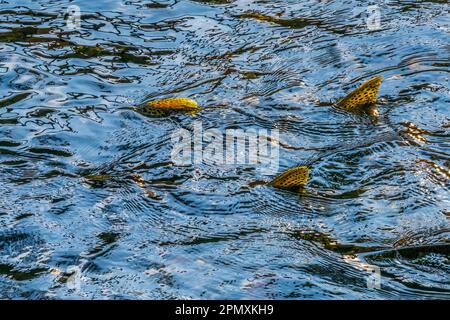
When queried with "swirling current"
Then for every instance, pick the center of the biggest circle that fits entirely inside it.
(92, 206)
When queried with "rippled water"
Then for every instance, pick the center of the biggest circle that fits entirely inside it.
(378, 199)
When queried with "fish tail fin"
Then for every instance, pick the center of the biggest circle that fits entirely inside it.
(292, 178)
(363, 96)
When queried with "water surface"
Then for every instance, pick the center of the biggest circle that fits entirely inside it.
(378, 198)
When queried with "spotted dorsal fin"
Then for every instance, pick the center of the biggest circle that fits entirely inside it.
(182, 104)
(164, 107)
(292, 178)
(363, 96)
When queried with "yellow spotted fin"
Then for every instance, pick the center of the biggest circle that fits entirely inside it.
(181, 104)
(363, 98)
(292, 178)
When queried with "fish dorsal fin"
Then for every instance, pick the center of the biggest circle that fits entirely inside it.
(292, 178)
(363, 96)
(164, 107)
(179, 104)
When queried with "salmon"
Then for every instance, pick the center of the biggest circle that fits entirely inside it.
(293, 178)
(166, 106)
(363, 98)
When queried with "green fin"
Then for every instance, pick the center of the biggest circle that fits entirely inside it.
(363, 96)
(292, 178)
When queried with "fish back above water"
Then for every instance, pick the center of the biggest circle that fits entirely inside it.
(181, 104)
(363, 98)
(292, 178)
(164, 107)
